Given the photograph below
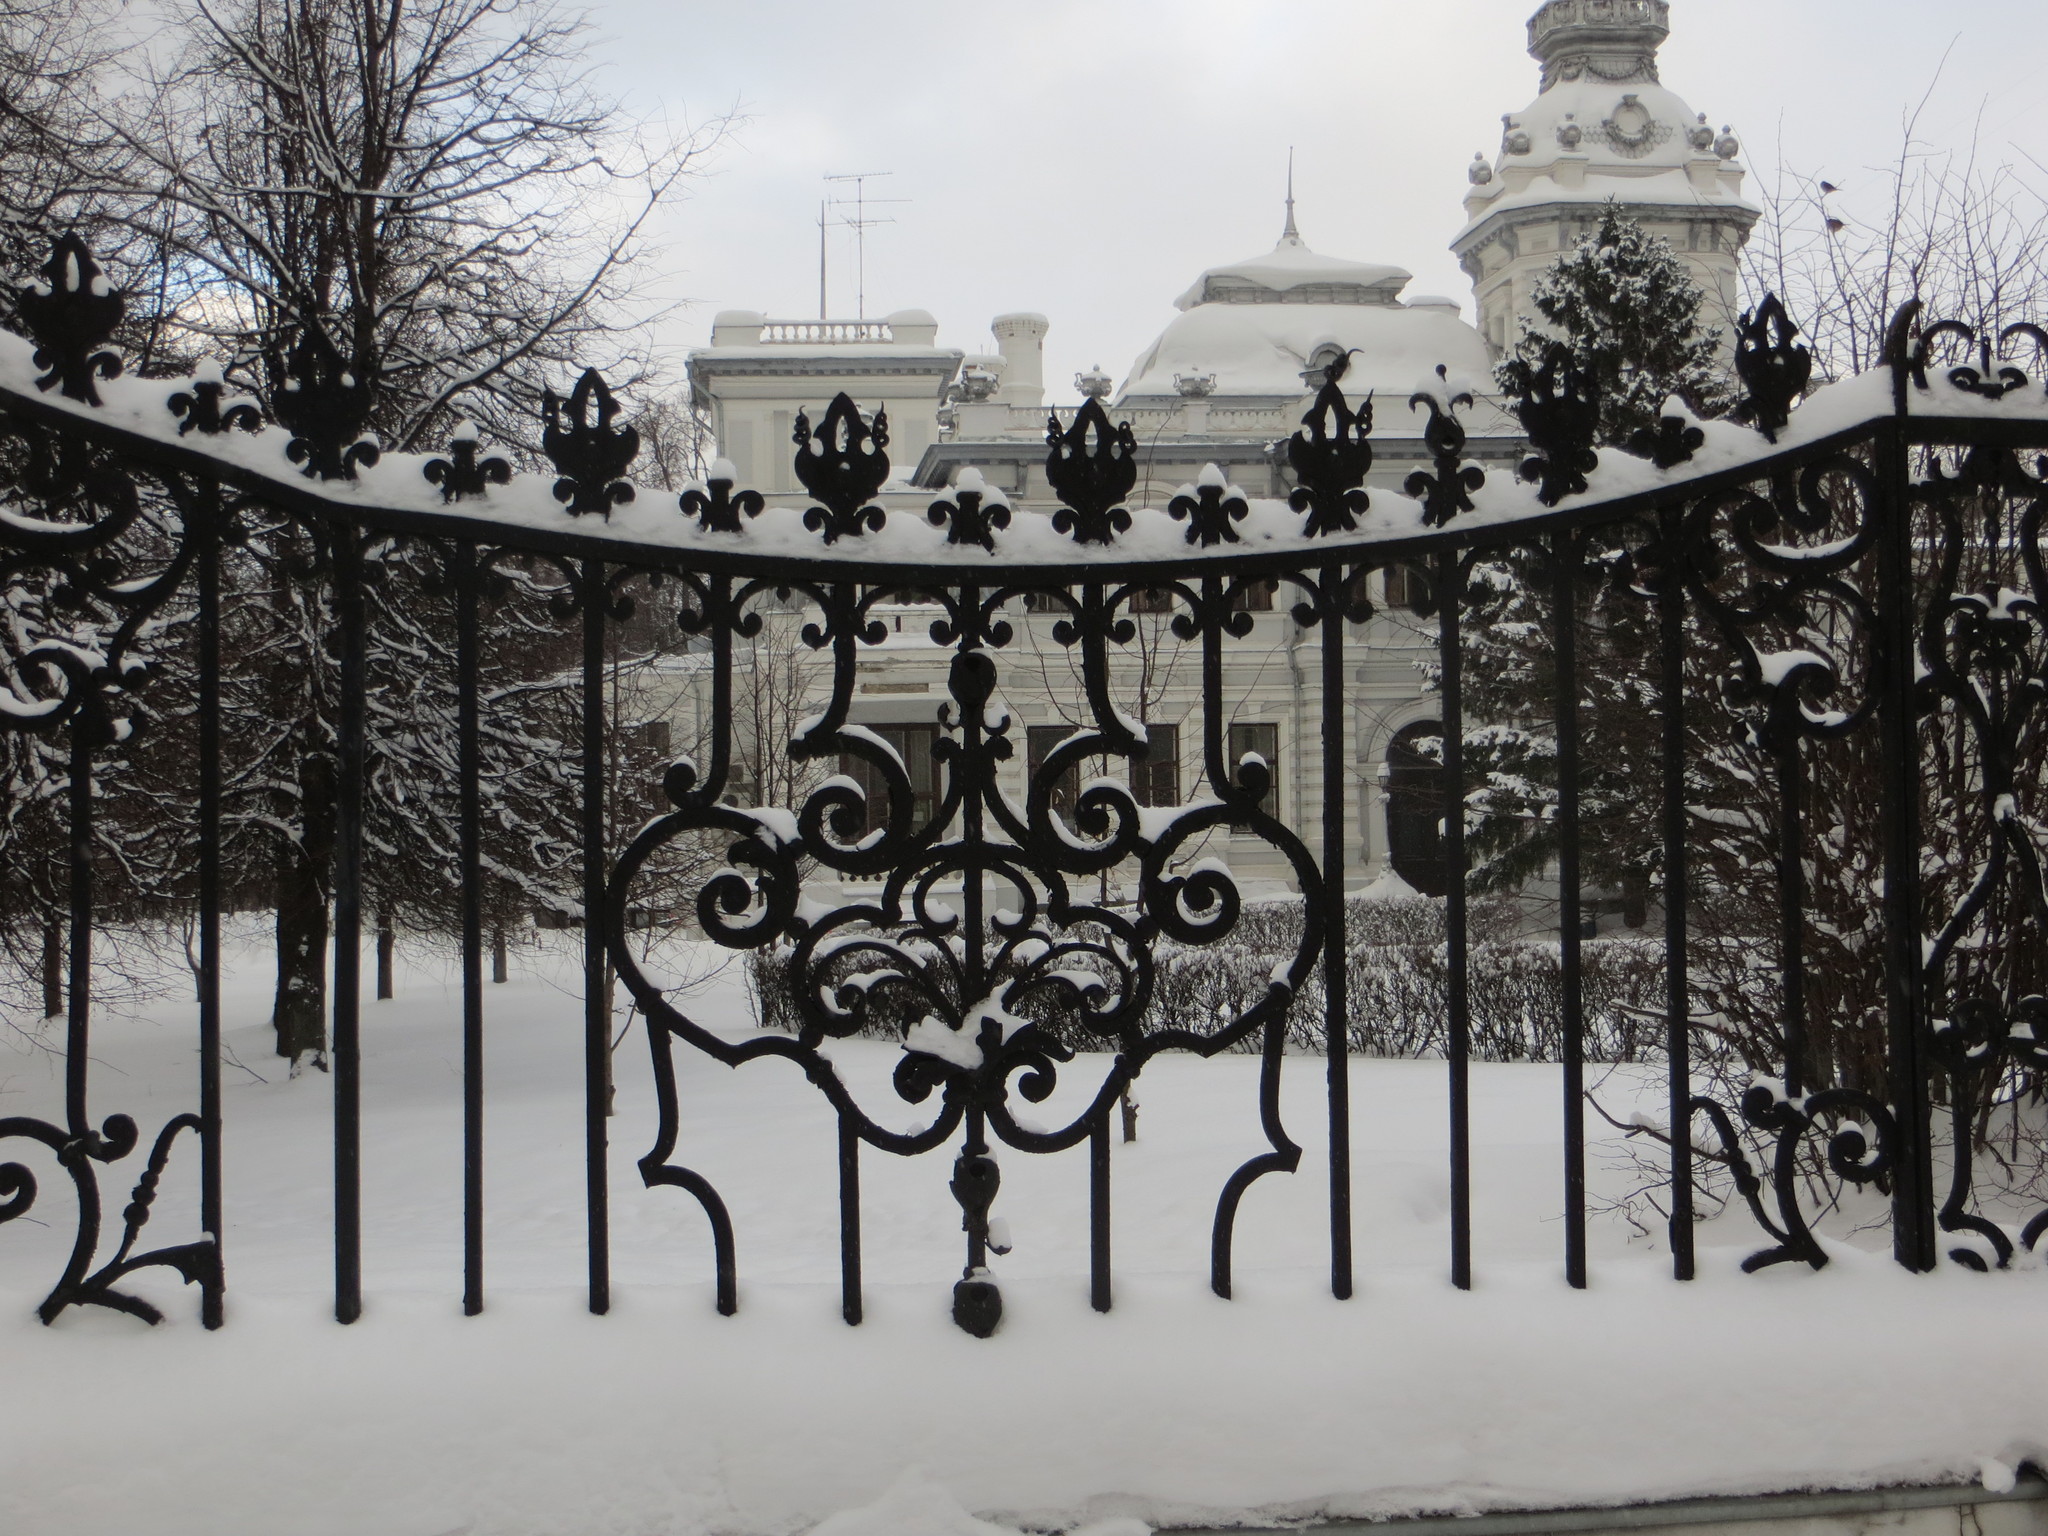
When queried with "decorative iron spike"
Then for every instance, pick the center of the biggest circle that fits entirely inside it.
(1448, 491)
(1673, 442)
(841, 471)
(717, 507)
(1331, 458)
(591, 454)
(1774, 372)
(71, 314)
(462, 473)
(1091, 468)
(1209, 513)
(1560, 412)
(200, 406)
(325, 403)
(1988, 380)
(971, 514)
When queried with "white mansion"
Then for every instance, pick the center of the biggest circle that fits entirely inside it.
(1225, 383)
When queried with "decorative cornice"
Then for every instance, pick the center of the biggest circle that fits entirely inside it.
(1613, 41)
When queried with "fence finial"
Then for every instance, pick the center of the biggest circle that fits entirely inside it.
(71, 314)
(591, 454)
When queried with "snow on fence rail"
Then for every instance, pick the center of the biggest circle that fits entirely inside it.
(1886, 532)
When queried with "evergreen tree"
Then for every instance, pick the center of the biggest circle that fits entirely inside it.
(1627, 308)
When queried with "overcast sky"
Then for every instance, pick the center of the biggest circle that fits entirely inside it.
(1087, 158)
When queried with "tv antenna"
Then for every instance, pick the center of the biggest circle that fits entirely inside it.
(859, 222)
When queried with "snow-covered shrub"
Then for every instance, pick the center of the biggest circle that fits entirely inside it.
(1397, 979)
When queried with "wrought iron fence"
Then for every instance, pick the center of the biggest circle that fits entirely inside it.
(1864, 567)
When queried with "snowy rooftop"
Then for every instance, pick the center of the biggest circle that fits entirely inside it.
(1604, 125)
(1291, 266)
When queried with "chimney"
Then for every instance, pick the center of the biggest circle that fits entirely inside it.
(1021, 340)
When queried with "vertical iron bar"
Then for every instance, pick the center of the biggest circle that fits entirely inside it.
(1792, 916)
(1098, 1211)
(1566, 554)
(849, 1221)
(209, 900)
(1336, 1009)
(88, 727)
(1677, 1033)
(596, 1017)
(348, 928)
(1451, 660)
(1914, 1234)
(469, 769)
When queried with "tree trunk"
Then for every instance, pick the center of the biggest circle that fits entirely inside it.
(299, 1014)
(387, 948)
(1635, 898)
(498, 968)
(53, 967)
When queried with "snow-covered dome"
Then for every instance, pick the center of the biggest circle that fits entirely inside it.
(1604, 126)
(1291, 273)
(1260, 327)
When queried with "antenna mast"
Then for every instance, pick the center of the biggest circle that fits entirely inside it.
(859, 222)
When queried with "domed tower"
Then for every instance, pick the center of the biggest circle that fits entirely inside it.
(1604, 129)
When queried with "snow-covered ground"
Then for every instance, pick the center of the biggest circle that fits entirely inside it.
(665, 1419)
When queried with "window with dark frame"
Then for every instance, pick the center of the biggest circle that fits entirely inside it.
(1254, 597)
(1039, 743)
(1155, 778)
(1257, 737)
(1152, 600)
(1408, 586)
(914, 744)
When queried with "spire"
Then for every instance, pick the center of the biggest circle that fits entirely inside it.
(1290, 235)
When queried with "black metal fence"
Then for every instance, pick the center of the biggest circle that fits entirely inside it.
(1844, 596)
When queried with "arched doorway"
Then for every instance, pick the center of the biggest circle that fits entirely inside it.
(1415, 808)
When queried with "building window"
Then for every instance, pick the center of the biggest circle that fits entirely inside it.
(913, 743)
(654, 736)
(1155, 778)
(1152, 600)
(1254, 597)
(1039, 742)
(1043, 602)
(1408, 586)
(1254, 739)
(1415, 808)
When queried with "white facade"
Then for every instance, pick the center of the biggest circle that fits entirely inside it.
(1603, 129)
(1225, 383)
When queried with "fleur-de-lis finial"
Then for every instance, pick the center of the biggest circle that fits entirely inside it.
(325, 402)
(200, 406)
(1210, 512)
(1774, 371)
(1560, 411)
(972, 512)
(462, 473)
(843, 465)
(590, 453)
(1448, 490)
(1091, 468)
(1672, 442)
(71, 314)
(1331, 457)
(715, 505)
